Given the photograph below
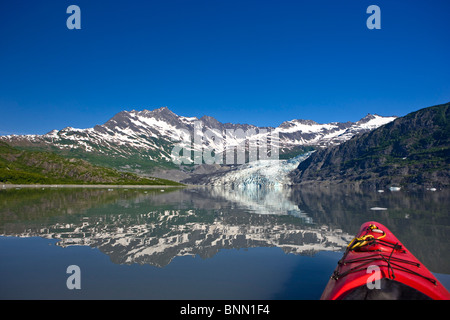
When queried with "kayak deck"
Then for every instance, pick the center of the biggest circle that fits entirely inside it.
(376, 265)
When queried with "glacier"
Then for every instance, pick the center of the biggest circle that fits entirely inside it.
(260, 174)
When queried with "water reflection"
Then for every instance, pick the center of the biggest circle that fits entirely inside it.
(261, 200)
(420, 220)
(152, 227)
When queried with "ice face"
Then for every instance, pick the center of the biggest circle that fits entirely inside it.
(261, 173)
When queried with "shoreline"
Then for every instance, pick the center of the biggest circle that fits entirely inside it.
(99, 186)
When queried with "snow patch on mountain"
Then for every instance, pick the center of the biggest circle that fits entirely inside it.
(152, 135)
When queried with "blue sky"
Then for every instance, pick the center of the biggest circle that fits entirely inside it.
(242, 61)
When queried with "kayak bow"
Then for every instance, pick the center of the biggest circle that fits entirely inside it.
(377, 266)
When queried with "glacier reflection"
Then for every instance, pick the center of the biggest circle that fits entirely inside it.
(136, 227)
(152, 227)
(262, 200)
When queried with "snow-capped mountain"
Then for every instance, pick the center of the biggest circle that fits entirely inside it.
(271, 174)
(140, 140)
(307, 132)
(158, 236)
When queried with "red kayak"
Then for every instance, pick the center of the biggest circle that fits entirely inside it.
(377, 266)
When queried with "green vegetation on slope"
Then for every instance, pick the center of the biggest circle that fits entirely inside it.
(37, 167)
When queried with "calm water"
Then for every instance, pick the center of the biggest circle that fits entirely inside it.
(201, 243)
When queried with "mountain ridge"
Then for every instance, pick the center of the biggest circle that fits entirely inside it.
(140, 141)
(410, 151)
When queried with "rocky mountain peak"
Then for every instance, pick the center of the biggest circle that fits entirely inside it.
(148, 136)
(368, 117)
(211, 122)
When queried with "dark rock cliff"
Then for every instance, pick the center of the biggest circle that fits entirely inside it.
(412, 151)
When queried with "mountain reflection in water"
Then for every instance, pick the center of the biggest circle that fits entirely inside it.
(138, 226)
